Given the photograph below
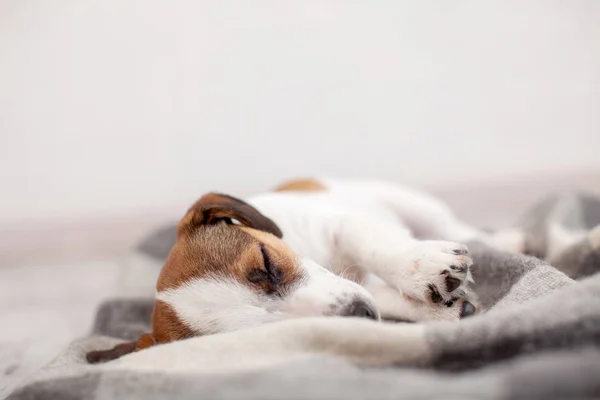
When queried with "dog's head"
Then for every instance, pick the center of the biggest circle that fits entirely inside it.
(230, 269)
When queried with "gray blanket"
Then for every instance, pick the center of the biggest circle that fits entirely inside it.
(539, 339)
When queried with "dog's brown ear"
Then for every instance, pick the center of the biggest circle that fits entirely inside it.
(214, 208)
(100, 356)
(145, 341)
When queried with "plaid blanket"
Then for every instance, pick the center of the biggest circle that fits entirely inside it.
(539, 339)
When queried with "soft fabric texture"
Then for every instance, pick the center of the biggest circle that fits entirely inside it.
(540, 339)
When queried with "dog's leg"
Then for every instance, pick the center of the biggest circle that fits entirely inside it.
(425, 215)
(393, 306)
(431, 271)
(428, 217)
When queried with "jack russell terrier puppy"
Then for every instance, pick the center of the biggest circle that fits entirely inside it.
(310, 248)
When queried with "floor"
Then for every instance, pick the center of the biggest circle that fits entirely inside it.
(44, 308)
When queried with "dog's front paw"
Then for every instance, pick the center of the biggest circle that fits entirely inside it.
(438, 273)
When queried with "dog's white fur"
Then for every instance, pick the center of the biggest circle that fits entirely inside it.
(215, 305)
(393, 240)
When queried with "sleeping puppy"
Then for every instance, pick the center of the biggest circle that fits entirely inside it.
(310, 248)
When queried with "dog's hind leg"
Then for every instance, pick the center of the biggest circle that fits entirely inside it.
(426, 216)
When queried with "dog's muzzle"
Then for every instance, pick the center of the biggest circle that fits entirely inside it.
(360, 308)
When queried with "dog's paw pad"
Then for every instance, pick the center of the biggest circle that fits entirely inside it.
(441, 271)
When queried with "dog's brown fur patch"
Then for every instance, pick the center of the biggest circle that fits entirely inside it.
(166, 327)
(211, 250)
(145, 341)
(280, 255)
(301, 185)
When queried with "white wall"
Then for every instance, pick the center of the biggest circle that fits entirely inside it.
(111, 106)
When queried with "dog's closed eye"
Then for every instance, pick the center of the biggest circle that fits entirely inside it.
(269, 275)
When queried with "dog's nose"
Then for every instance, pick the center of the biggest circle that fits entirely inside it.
(467, 309)
(359, 308)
